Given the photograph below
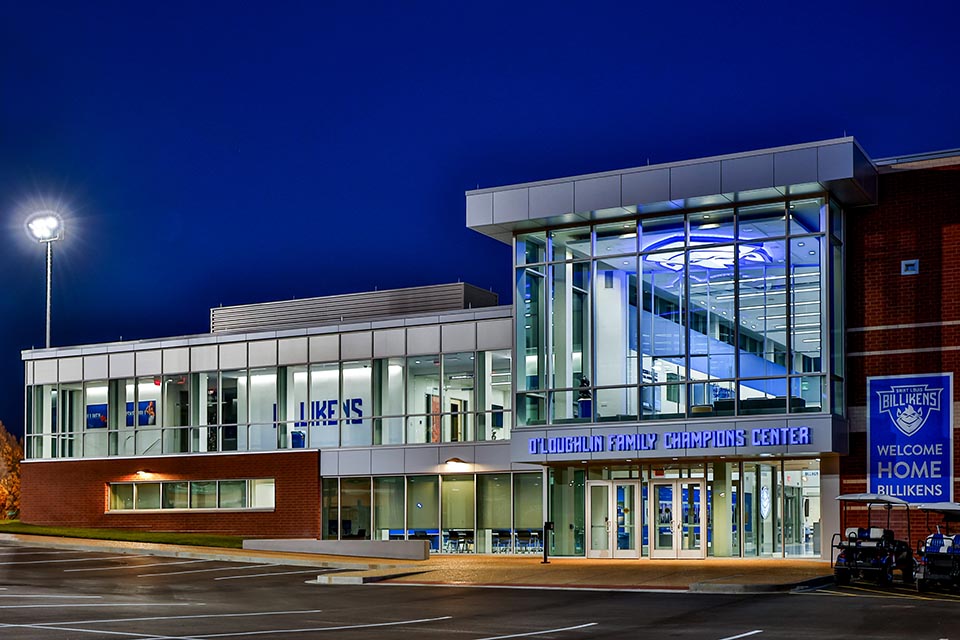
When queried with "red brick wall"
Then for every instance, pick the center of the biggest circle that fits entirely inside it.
(74, 493)
(918, 217)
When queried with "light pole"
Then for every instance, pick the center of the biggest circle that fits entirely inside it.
(46, 227)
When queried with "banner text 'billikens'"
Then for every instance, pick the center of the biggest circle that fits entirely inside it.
(672, 440)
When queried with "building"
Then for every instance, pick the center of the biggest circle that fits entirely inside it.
(683, 373)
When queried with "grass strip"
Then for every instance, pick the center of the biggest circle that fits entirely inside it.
(125, 535)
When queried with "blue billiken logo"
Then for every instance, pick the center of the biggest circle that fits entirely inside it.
(909, 406)
(672, 440)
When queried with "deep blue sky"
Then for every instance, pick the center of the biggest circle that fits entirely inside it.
(218, 152)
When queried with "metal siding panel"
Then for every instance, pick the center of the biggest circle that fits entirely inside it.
(262, 353)
(355, 462)
(176, 360)
(644, 187)
(71, 369)
(492, 457)
(479, 209)
(385, 462)
(356, 345)
(510, 206)
(233, 356)
(835, 162)
(325, 348)
(329, 463)
(746, 174)
(389, 343)
(695, 180)
(292, 351)
(596, 193)
(421, 460)
(422, 340)
(458, 337)
(149, 363)
(551, 200)
(122, 365)
(795, 167)
(45, 372)
(495, 334)
(28, 372)
(204, 358)
(95, 367)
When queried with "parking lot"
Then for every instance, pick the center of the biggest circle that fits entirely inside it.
(54, 593)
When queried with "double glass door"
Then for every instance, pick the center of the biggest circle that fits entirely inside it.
(613, 510)
(677, 518)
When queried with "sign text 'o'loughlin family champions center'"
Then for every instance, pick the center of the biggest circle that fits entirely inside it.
(671, 440)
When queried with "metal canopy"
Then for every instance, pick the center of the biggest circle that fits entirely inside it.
(950, 510)
(838, 166)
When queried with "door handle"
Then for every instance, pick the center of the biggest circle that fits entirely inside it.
(606, 524)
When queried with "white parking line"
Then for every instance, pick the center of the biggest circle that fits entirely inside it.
(744, 635)
(54, 627)
(136, 566)
(41, 553)
(75, 559)
(263, 575)
(177, 573)
(43, 627)
(56, 597)
(541, 633)
(199, 615)
(99, 604)
(310, 629)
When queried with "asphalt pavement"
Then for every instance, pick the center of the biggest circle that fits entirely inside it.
(54, 593)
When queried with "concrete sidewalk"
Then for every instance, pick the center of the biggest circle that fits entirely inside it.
(717, 575)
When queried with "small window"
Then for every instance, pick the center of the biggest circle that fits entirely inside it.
(909, 267)
(203, 495)
(121, 497)
(233, 494)
(148, 496)
(176, 495)
(262, 493)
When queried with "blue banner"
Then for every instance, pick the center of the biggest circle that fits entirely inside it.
(146, 413)
(910, 437)
(97, 416)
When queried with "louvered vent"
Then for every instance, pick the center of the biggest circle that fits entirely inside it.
(350, 307)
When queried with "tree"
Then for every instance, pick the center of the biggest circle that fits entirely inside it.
(11, 452)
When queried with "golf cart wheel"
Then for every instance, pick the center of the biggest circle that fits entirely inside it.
(885, 576)
(841, 577)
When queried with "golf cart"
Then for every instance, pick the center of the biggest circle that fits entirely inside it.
(939, 552)
(872, 553)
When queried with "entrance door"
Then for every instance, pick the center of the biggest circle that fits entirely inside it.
(613, 513)
(677, 509)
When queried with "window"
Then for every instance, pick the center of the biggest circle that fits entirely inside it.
(199, 494)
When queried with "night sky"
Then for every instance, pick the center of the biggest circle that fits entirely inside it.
(208, 153)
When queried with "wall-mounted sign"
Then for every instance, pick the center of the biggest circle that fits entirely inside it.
(765, 502)
(97, 416)
(708, 439)
(910, 437)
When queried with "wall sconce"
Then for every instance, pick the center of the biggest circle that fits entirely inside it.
(456, 464)
(144, 473)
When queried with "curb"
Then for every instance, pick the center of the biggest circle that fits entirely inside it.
(803, 585)
(201, 553)
(359, 578)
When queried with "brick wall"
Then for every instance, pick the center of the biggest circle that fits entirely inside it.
(74, 493)
(918, 217)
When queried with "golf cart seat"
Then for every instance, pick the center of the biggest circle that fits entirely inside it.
(865, 537)
(938, 543)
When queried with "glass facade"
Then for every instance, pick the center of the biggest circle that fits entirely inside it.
(766, 508)
(709, 313)
(439, 398)
(457, 513)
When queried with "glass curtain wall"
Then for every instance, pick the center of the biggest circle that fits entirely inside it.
(434, 398)
(709, 313)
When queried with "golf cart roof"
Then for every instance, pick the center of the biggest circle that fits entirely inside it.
(950, 510)
(872, 498)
